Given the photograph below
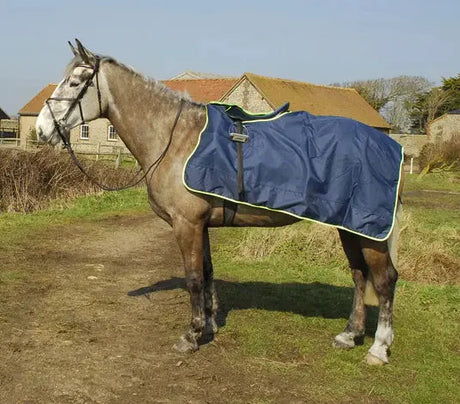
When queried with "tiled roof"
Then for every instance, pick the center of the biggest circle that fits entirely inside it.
(202, 90)
(191, 75)
(34, 106)
(316, 99)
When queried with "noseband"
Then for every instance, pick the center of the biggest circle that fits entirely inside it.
(61, 124)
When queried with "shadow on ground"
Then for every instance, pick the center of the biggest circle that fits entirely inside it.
(306, 299)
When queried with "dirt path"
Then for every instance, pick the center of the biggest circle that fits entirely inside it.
(75, 326)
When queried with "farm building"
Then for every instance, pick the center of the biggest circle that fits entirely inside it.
(3, 114)
(445, 127)
(253, 92)
(8, 128)
(202, 90)
(191, 75)
(264, 94)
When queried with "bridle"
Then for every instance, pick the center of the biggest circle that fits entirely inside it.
(61, 126)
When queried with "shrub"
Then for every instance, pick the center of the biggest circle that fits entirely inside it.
(443, 156)
(30, 180)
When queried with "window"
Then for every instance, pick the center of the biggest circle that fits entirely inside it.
(112, 133)
(84, 131)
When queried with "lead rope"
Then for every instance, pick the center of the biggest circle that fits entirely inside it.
(131, 183)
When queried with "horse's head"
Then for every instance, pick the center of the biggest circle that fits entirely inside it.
(77, 98)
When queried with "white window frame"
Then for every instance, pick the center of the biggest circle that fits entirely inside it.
(82, 126)
(112, 129)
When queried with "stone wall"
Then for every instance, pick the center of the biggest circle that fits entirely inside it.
(26, 127)
(412, 143)
(246, 96)
(444, 128)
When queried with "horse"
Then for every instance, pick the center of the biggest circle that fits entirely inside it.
(161, 128)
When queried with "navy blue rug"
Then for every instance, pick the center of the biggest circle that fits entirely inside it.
(328, 169)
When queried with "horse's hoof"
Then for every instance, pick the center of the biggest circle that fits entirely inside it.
(342, 342)
(185, 346)
(374, 361)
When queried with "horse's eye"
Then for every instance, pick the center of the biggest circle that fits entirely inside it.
(74, 83)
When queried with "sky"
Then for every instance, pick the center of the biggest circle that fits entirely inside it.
(316, 41)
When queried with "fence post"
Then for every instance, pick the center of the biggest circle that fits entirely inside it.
(411, 165)
(118, 161)
(98, 150)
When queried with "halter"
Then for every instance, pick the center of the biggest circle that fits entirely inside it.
(61, 124)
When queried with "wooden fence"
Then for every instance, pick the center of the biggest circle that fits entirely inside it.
(97, 151)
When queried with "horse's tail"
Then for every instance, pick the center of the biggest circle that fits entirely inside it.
(370, 296)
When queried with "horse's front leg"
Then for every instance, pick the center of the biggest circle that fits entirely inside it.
(355, 329)
(190, 239)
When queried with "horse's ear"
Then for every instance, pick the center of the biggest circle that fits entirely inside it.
(74, 51)
(85, 54)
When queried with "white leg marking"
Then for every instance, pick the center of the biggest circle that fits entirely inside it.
(383, 340)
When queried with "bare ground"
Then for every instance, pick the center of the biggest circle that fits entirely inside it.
(77, 327)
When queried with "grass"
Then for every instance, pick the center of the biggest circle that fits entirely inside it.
(16, 226)
(283, 315)
(295, 293)
(442, 181)
(285, 293)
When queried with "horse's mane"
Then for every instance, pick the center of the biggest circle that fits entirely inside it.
(150, 83)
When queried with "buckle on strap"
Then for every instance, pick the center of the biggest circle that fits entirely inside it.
(239, 137)
(239, 133)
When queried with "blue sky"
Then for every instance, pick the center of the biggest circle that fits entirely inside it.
(318, 41)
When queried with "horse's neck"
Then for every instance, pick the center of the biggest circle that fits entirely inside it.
(142, 112)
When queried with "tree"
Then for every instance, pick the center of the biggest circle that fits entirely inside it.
(376, 92)
(436, 102)
(452, 87)
(427, 107)
(393, 98)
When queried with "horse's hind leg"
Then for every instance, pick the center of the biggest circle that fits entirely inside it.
(190, 239)
(210, 295)
(384, 277)
(354, 331)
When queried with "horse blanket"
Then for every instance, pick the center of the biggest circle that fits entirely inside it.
(328, 169)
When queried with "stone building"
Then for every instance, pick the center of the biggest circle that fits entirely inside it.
(445, 127)
(202, 90)
(8, 129)
(265, 94)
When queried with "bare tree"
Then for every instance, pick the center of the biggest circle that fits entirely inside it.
(394, 98)
(437, 98)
